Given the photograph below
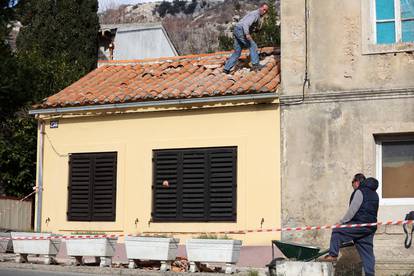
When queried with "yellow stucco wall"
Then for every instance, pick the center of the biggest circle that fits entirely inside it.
(254, 129)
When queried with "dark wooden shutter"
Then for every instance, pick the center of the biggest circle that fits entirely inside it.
(166, 170)
(92, 187)
(104, 187)
(80, 178)
(194, 185)
(222, 196)
(202, 184)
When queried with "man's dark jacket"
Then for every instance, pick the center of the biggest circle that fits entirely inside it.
(368, 211)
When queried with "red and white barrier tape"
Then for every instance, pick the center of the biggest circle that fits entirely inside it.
(305, 228)
(58, 237)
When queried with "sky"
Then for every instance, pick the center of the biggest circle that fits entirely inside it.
(104, 4)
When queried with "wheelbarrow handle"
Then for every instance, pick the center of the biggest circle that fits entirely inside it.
(323, 252)
(320, 254)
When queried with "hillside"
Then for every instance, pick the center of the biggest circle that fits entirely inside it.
(193, 26)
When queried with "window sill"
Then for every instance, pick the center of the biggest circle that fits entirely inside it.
(371, 49)
(156, 221)
(396, 201)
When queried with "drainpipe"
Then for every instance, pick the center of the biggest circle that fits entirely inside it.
(41, 130)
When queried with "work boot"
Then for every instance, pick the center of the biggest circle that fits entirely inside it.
(329, 258)
(257, 67)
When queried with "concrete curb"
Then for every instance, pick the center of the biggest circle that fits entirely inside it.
(95, 270)
(9, 263)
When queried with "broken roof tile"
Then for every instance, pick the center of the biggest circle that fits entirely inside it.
(181, 77)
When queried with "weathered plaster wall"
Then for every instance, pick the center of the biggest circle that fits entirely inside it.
(335, 54)
(323, 145)
(329, 136)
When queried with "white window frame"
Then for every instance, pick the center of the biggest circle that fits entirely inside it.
(369, 32)
(388, 201)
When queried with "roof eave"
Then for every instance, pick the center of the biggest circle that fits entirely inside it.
(162, 103)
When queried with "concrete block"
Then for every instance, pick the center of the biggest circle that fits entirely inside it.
(291, 268)
(102, 247)
(149, 248)
(48, 247)
(391, 248)
(402, 267)
(394, 229)
(210, 250)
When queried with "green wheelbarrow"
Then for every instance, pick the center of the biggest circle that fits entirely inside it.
(297, 252)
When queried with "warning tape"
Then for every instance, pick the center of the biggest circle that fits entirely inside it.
(58, 237)
(308, 228)
(305, 228)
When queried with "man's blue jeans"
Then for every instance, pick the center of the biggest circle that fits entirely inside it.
(240, 42)
(363, 238)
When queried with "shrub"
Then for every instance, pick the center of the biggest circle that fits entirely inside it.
(207, 236)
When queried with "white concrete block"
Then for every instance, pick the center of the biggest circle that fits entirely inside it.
(291, 268)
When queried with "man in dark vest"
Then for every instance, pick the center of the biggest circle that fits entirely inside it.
(362, 209)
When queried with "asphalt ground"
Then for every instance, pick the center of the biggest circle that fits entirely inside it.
(27, 272)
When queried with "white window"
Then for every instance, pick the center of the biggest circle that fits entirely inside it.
(395, 169)
(388, 25)
(394, 21)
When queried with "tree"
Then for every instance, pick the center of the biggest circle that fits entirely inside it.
(175, 7)
(61, 37)
(14, 88)
(191, 7)
(10, 86)
(269, 34)
(18, 155)
(225, 42)
(56, 46)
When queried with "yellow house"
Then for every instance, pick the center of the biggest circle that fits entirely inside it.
(163, 146)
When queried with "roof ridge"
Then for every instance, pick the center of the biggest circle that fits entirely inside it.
(132, 24)
(267, 50)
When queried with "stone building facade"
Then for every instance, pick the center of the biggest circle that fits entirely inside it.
(347, 106)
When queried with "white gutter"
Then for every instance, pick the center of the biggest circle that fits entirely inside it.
(41, 128)
(160, 103)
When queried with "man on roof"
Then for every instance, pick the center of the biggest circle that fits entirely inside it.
(243, 39)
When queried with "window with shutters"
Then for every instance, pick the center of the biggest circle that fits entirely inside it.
(195, 184)
(92, 186)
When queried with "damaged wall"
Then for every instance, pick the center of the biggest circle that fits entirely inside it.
(335, 54)
(351, 96)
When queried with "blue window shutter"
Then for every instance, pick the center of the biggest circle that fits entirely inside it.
(385, 32)
(407, 31)
(385, 9)
(407, 9)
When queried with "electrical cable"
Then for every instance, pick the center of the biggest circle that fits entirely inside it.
(306, 78)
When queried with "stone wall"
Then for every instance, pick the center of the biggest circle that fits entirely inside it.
(323, 145)
(336, 60)
(351, 96)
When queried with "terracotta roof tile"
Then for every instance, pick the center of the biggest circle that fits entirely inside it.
(179, 77)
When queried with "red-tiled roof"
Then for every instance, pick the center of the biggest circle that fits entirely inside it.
(160, 79)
